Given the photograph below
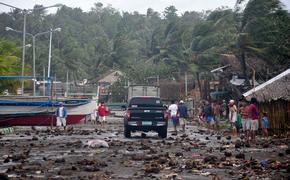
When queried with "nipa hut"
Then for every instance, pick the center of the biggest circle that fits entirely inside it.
(274, 98)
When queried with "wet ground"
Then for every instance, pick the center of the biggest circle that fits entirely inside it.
(49, 154)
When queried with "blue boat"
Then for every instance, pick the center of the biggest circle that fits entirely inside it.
(31, 111)
(42, 103)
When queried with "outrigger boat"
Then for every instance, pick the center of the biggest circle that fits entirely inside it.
(39, 111)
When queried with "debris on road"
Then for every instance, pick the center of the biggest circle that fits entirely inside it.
(97, 143)
(197, 154)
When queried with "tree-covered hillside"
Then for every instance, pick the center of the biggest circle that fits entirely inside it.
(143, 45)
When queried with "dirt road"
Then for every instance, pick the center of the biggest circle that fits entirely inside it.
(46, 154)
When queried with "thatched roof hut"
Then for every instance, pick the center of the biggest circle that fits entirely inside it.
(276, 88)
(274, 98)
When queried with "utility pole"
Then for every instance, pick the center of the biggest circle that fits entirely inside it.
(25, 12)
(158, 80)
(66, 91)
(34, 76)
(23, 51)
(44, 81)
(185, 79)
(49, 56)
(34, 49)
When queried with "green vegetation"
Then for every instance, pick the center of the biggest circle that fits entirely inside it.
(9, 65)
(141, 46)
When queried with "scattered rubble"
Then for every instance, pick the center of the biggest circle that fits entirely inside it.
(90, 153)
(240, 156)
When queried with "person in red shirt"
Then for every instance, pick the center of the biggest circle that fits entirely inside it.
(102, 112)
(254, 116)
(246, 124)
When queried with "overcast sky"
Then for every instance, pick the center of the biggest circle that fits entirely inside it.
(131, 5)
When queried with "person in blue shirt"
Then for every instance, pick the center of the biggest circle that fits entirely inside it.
(61, 114)
(182, 111)
(265, 124)
(208, 113)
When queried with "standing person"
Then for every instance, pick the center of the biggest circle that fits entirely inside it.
(216, 114)
(233, 116)
(201, 115)
(244, 111)
(224, 110)
(265, 123)
(94, 116)
(173, 110)
(102, 112)
(253, 112)
(208, 112)
(61, 114)
(182, 111)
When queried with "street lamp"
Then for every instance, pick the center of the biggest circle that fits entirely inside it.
(26, 46)
(49, 56)
(49, 52)
(25, 12)
(34, 46)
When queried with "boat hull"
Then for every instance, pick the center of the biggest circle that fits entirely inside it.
(21, 113)
(38, 120)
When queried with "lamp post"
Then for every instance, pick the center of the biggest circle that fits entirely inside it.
(49, 52)
(49, 58)
(34, 46)
(26, 46)
(25, 12)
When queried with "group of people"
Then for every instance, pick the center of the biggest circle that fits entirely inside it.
(250, 119)
(178, 115)
(212, 113)
(98, 115)
(243, 118)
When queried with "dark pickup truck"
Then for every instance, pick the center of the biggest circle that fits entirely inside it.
(146, 114)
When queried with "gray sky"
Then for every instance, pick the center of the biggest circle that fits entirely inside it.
(131, 5)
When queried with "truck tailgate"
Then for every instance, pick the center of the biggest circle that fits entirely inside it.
(143, 114)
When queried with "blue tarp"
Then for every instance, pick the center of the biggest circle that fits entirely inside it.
(219, 93)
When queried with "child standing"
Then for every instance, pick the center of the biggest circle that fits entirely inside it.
(94, 116)
(265, 123)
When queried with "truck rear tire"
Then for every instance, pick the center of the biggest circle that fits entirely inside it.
(127, 132)
(162, 132)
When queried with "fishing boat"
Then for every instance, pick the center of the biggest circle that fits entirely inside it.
(39, 111)
(33, 118)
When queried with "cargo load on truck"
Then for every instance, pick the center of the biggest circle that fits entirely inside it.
(143, 90)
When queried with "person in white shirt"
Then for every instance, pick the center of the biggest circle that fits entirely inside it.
(95, 115)
(172, 109)
(233, 116)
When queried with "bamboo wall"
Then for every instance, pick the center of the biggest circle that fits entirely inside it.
(278, 115)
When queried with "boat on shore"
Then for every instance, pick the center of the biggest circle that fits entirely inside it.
(40, 111)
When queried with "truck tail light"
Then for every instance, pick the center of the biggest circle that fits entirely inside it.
(128, 114)
(165, 115)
